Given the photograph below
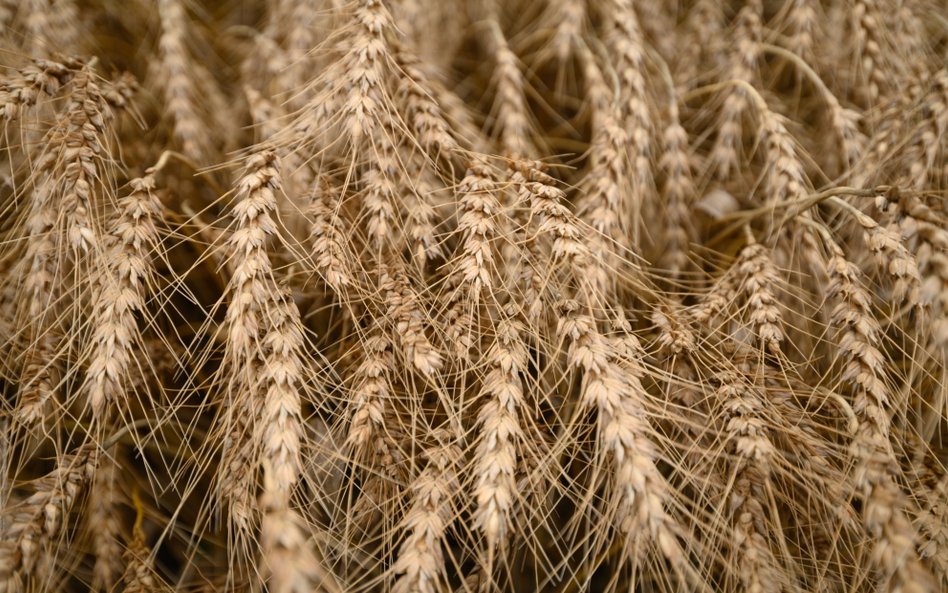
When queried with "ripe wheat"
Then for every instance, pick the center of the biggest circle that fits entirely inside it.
(474, 296)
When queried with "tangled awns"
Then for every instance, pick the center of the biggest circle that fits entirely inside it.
(473, 296)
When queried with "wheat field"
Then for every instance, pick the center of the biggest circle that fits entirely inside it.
(474, 296)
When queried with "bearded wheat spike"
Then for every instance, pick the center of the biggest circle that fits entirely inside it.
(933, 528)
(290, 563)
(105, 526)
(678, 191)
(477, 228)
(869, 48)
(760, 279)
(725, 156)
(802, 21)
(419, 566)
(601, 207)
(140, 575)
(365, 70)
(37, 384)
(251, 286)
(703, 23)
(424, 113)
(181, 91)
(383, 185)
(474, 267)
(20, 90)
(716, 300)
(422, 219)
(303, 35)
(538, 190)
(785, 178)
(626, 42)
(121, 294)
(32, 526)
(512, 123)
(328, 236)
(894, 258)
(885, 505)
(79, 167)
(282, 377)
(642, 493)
(52, 26)
(404, 307)
(748, 504)
(256, 195)
(372, 389)
(569, 17)
(496, 455)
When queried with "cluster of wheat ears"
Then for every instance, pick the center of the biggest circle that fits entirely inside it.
(474, 296)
